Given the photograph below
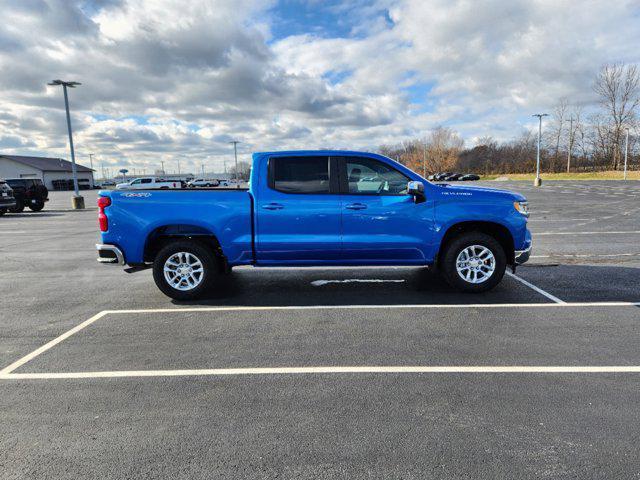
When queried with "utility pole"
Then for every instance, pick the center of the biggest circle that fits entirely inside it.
(178, 166)
(570, 144)
(91, 162)
(77, 202)
(202, 168)
(538, 181)
(235, 154)
(626, 153)
(162, 163)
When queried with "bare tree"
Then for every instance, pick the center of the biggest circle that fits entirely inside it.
(575, 126)
(442, 148)
(556, 129)
(618, 87)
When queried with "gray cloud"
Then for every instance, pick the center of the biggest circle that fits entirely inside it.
(197, 74)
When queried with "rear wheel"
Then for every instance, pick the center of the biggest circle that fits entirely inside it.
(185, 270)
(3, 211)
(474, 262)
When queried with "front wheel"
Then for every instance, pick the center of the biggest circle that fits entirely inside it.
(185, 270)
(474, 262)
(36, 206)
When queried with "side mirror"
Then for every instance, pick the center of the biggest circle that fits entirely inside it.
(416, 190)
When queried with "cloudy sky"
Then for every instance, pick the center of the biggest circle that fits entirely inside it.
(176, 80)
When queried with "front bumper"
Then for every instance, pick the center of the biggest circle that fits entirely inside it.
(8, 203)
(109, 254)
(521, 256)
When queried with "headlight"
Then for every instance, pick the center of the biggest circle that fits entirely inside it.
(522, 207)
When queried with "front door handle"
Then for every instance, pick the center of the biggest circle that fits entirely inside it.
(356, 206)
(273, 206)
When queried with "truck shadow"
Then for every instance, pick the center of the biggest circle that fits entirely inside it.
(402, 286)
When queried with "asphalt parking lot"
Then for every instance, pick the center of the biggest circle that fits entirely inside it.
(327, 373)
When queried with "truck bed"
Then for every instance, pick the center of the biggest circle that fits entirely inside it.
(134, 215)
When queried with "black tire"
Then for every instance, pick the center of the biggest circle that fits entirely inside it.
(448, 262)
(36, 207)
(18, 208)
(206, 257)
(3, 211)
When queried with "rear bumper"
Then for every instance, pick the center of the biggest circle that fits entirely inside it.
(109, 254)
(7, 203)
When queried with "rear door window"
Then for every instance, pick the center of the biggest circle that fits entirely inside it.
(306, 175)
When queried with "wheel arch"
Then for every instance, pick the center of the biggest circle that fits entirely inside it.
(161, 236)
(494, 229)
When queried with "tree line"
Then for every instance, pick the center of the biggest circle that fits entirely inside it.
(575, 138)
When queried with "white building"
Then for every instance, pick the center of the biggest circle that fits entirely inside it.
(49, 170)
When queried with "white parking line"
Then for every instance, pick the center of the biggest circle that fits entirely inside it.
(557, 219)
(588, 233)
(51, 344)
(330, 370)
(587, 255)
(533, 287)
(6, 372)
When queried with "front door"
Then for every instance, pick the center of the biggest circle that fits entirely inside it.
(299, 212)
(381, 223)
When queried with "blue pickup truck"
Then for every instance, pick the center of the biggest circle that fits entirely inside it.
(311, 208)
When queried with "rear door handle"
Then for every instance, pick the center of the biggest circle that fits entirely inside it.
(356, 206)
(273, 206)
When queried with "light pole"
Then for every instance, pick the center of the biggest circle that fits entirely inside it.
(77, 201)
(235, 154)
(91, 163)
(626, 153)
(538, 181)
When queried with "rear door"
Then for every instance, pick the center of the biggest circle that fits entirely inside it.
(298, 211)
(381, 223)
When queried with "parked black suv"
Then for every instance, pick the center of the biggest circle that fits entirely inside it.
(7, 202)
(29, 192)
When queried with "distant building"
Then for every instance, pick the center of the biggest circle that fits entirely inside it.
(49, 170)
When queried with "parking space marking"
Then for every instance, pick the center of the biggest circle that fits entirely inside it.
(587, 255)
(553, 298)
(590, 233)
(329, 370)
(52, 343)
(6, 372)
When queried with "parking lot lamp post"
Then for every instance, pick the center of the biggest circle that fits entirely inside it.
(77, 201)
(626, 153)
(235, 154)
(538, 181)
